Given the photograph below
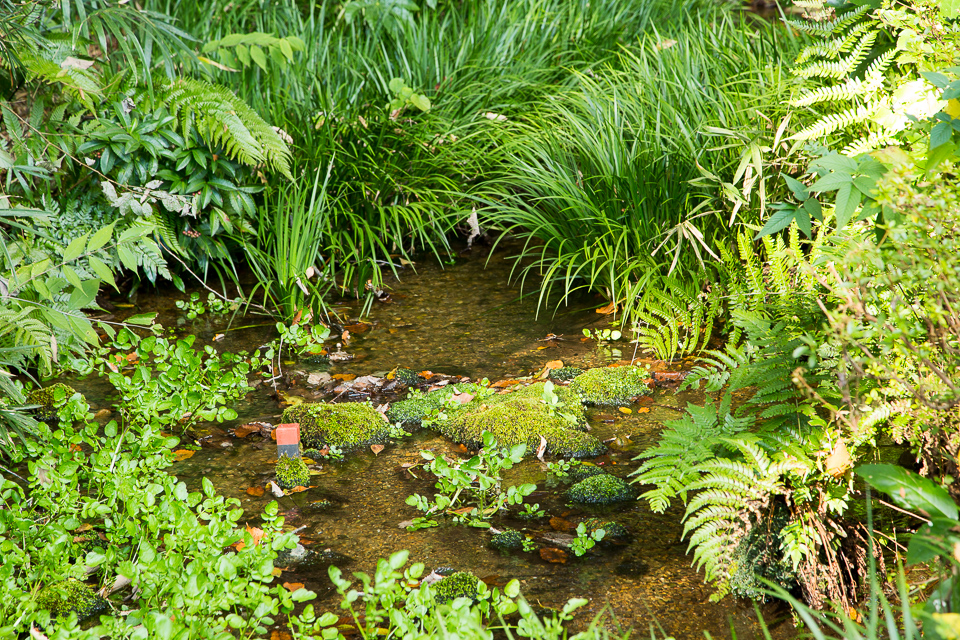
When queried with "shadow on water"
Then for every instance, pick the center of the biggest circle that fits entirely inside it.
(465, 320)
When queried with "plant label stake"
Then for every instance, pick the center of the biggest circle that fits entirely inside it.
(288, 440)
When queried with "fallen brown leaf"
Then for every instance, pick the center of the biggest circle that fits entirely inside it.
(255, 533)
(357, 328)
(608, 309)
(297, 489)
(839, 460)
(463, 398)
(293, 586)
(625, 410)
(182, 454)
(643, 410)
(255, 491)
(280, 635)
(554, 364)
(559, 524)
(556, 556)
(376, 448)
(502, 384)
(346, 377)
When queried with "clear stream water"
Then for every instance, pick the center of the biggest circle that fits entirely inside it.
(465, 319)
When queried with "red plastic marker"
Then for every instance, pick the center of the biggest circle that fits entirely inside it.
(288, 440)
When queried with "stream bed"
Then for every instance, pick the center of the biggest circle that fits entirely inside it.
(464, 320)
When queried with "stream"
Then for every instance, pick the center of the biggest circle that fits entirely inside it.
(465, 320)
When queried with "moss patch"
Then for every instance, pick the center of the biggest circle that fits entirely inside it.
(71, 596)
(459, 585)
(420, 406)
(521, 418)
(565, 374)
(601, 490)
(47, 399)
(347, 425)
(507, 541)
(611, 385)
(611, 530)
(292, 472)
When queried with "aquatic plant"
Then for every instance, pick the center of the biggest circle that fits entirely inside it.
(611, 385)
(71, 596)
(601, 490)
(586, 539)
(347, 425)
(292, 472)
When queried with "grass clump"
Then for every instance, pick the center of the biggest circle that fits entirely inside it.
(50, 400)
(611, 385)
(601, 490)
(507, 541)
(71, 596)
(459, 585)
(522, 417)
(292, 472)
(348, 425)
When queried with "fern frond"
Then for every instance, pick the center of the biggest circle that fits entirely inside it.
(836, 25)
(839, 69)
(225, 120)
(836, 121)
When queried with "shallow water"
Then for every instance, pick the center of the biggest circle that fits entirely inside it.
(466, 320)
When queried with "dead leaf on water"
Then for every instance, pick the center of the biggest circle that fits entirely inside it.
(643, 410)
(556, 556)
(297, 489)
(502, 384)
(608, 309)
(276, 572)
(357, 328)
(255, 533)
(293, 586)
(346, 377)
(255, 491)
(182, 454)
(554, 364)
(376, 448)
(559, 524)
(541, 449)
(279, 635)
(625, 410)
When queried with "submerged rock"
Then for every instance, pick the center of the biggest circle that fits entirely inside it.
(406, 377)
(47, 399)
(611, 530)
(507, 541)
(347, 425)
(611, 385)
(603, 489)
(458, 585)
(71, 596)
(580, 472)
(292, 472)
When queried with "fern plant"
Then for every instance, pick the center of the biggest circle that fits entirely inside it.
(675, 318)
(867, 104)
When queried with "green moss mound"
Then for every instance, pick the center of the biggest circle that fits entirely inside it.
(347, 425)
(603, 489)
(507, 541)
(47, 399)
(611, 385)
(521, 420)
(292, 472)
(611, 530)
(459, 585)
(419, 406)
(71, 596)
(580, 472)
(565, 374)
(406, 377)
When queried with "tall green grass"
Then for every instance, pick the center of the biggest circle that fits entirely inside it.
(597, 180)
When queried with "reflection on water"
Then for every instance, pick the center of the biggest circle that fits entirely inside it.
(465, 320)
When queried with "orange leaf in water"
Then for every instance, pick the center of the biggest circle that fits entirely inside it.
(463, 511)
(297, 489)
(279, 635)
(255, 491)
(643, 410)
(182, 454)
(501, 384)
(608, 309)
(255, 533)
(346, 377)
(376, 448)
(246, 429)
(293, 586)
(556, 556)
(559, 524)
(625, 410)
(357, 328)
(554, 364)
(426, 374)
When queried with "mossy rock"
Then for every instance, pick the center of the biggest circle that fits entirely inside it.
(292, 472)
(565, 374)
(47, 399)
(71, 596)
(759, 557)
(419, 405)
(507, 541)
(611, 385)
(347, 425)
(459, 585)
(601, 490)
(611, 530)
(580, 472)
(406, 377)
(520, 420)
